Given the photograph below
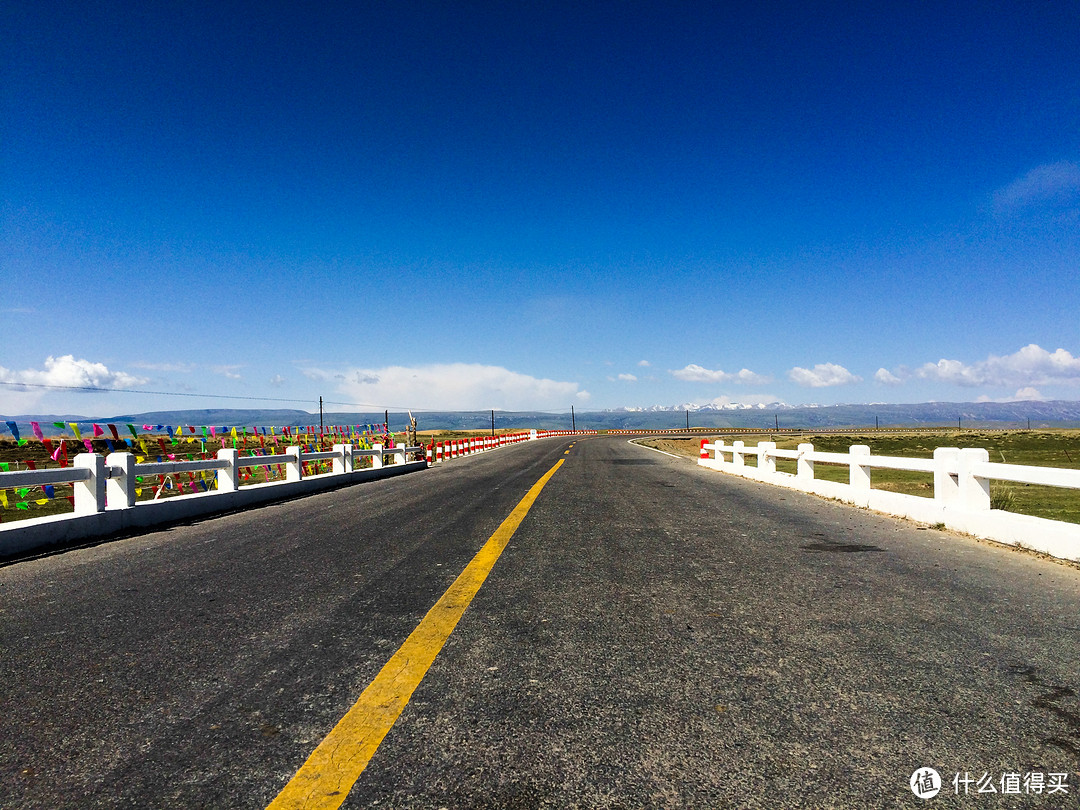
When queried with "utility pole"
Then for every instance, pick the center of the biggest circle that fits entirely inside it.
(573, 421)
(493, 423)
(776, 421)
(320, 418)
(687, 418)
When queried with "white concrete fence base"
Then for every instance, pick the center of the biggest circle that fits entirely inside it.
(961, 498)
(105, 497)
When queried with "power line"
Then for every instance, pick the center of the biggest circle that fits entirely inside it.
(140, 391)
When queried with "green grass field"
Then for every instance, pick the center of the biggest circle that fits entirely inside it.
(1039, 448)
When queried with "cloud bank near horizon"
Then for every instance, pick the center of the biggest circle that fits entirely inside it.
(451, 386)
(1026, 374)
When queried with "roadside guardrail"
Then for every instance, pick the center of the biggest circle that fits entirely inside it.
(961, 488)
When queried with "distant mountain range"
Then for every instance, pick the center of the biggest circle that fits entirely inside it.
(1058, 413)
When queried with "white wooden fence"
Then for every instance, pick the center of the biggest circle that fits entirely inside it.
(961, 488)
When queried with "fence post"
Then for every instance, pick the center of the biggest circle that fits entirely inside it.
(399, 454)
(946, 482)
(120, 489)
(377, 459)
(766, 463)
(704, 453)
(90, 494)
(859, 476)
(737, 457)
(804, 465)
(294, 467)
(340, 463)
(717, 451)
(228, 479)
(974, 491)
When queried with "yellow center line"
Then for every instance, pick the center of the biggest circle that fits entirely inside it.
(325, 779)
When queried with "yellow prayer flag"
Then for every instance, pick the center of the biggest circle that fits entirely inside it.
(75, 430)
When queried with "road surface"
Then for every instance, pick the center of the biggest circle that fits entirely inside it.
(653, 635)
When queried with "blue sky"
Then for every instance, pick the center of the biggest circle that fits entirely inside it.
(504, 205)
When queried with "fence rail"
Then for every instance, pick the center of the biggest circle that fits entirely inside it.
(106, 487)
(109, 482)
(961, 488)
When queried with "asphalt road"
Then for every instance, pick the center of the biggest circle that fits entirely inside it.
(654, 635)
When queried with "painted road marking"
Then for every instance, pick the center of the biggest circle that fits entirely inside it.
(324, 781)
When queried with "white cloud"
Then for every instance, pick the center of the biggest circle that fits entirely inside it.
(231, 372)
(644, 363)
(66, 371)
(1050, 184)
(696, 373)
(1028, 394)
(277, 380)
(883, 375)
(1030, 366)
(59, 372)
(319, 375)
(823, 375)
(628, 377)
(451, 387)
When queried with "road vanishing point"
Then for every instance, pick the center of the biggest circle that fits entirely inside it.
(567, 623)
